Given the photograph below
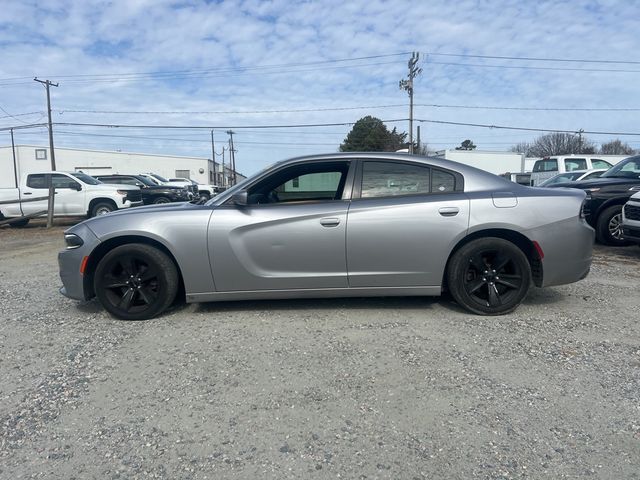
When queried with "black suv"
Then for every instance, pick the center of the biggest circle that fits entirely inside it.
(151, 192)
(606, 196)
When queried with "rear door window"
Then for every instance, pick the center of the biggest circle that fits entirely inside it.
(388, 179)
(36, 180)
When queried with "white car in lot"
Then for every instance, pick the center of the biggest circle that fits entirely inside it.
(574, 176)
(631, 219)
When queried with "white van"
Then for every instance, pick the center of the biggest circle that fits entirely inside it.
(547, 167)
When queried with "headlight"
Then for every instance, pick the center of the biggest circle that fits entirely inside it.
(592, 189)
(123, 192)
(73, 241)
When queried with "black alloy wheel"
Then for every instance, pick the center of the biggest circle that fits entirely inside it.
(489, 276)
(609, 227)
(136, 282)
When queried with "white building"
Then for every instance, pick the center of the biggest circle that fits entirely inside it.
(33, 158)
(493, 162)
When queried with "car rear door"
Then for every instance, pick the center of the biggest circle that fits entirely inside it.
(37, 186)
(403, 222)
(290, 235)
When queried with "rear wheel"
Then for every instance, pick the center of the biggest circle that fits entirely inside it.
(204, 196)
(609, 227)
(161, 200)
(489, 276)
(136, 282)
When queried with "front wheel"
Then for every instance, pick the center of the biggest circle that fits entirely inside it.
(136, 282)
(609, 227)
(489, 276)
(160, 200)
(102, 208)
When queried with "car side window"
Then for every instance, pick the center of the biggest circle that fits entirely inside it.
(62, 181)
(36, 180)
(323, 181)
(598, 163)
(572, 164)
(441, 181)
(387, 179)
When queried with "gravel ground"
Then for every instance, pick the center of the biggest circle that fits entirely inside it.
(362, 388)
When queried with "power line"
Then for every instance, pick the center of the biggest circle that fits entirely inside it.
(530, 67)
(212, 70)
(535, 59)
(328, 109)
(215, 127)
(503, 127)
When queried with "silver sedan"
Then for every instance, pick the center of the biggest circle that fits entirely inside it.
(337, 225)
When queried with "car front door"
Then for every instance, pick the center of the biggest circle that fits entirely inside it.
(70, 196)
(403, 222)
(290, 234)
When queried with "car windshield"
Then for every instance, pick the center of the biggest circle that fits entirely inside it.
(89, 180)
(628, 168)
(561, 178)
(155, 175)
(147, 181)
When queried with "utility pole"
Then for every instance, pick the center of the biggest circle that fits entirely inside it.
(224, 178)
(407, 84)
(213, 159)
(15, 163)
(232, 156)
(47, 84)
(580, 132)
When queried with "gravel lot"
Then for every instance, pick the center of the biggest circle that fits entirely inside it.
(363, 388)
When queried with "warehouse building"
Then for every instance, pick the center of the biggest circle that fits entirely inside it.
(32, 158)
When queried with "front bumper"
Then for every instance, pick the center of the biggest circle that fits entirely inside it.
(70, 261)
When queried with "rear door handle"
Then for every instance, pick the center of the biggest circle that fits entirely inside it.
(330, 222)
(449, 211)
(26, 193)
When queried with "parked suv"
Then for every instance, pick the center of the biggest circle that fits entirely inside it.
(160, 180)
(151, 192)
(606, 196)
(631, 219)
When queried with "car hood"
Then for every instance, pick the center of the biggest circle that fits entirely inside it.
(103, 187)
(594, 183)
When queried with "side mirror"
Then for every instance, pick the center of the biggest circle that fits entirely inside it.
(76, 186)
(240, 198)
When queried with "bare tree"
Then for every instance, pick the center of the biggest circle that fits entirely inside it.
(522, 147)
(557, 144)
(616, 147)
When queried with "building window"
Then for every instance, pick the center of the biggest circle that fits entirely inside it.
(41, 153)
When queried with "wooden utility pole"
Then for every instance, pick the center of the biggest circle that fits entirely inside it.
(407, 84)
(232, 156)
(47, 84)
(15, 163)
(213, 159)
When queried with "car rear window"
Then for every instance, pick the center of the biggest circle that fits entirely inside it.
(571, 164)
(546, 165)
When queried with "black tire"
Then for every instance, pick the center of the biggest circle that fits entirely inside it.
(160, 200)
(136, 282)
(23, 222)
(489, 276)
(204, 196)
(102, 208)
(609, 227)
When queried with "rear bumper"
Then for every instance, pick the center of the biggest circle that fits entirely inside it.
(568, 251)
(631, 234)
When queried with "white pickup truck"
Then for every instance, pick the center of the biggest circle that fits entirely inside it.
(77, 194)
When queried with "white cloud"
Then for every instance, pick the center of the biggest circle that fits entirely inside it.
(52, 39)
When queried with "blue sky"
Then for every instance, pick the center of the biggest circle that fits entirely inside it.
(238, 58)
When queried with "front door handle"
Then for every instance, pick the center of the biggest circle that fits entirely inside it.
(26, 193)
(449, 211)
(330, 222)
